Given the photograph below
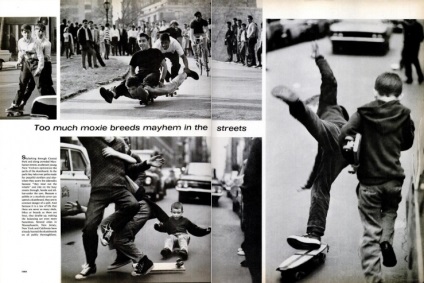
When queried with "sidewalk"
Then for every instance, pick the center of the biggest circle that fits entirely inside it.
(74, 80)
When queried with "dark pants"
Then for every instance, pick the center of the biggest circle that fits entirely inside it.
(100, 198)
(326, 134)
(259, 54)
(175, 62)
(145, 78)
(28, 82)
(243, 52)
(409, 58)
(252, 244)
(107, 49)
(230, 51)
(132, 45)
(97, 54)
(87, 51)
(251, 59)
(114, 46)
(68, 50)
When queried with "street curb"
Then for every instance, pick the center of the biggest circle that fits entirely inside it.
(78, 92)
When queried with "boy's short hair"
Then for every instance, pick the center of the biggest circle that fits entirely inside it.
(243, 25)
(177, 205)
(84, 21)
(132, 81)
(388, 84)
(164, 37)
(228, 23)
(144, 35)
(107, 25)
(42, 27)
(26, 27)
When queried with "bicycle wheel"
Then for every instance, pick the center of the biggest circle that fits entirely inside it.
(200, 58)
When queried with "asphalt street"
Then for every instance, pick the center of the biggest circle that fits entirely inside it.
(9, 83)
(226, 239)
(291, 152)
(191, 102)
(148, 240)
(236, 92)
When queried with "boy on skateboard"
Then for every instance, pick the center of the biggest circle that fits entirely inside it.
(178, 228)
(324, 126)
(387, 129)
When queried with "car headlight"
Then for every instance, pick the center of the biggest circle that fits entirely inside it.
(216, 189)
(338, 34)
(148, 181)
(182, 184)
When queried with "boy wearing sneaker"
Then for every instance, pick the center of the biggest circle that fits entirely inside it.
(387, 129)
(178, 228)
(324, 126)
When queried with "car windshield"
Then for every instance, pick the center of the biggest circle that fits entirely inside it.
(201, 169)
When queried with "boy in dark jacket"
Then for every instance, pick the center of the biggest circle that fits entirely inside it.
(177, 227)
(325, 127)
(387, 129)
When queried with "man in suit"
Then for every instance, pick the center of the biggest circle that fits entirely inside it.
(123, 40)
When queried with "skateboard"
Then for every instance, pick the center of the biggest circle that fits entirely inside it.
(168, 267)
(352, 149)
(171, 94)
(302, 262)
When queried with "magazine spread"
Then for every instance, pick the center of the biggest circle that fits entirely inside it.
(211, 141)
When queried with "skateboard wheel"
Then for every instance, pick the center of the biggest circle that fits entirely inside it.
(299, 275)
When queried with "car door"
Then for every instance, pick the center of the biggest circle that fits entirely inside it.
(80, 175)
(67, 180)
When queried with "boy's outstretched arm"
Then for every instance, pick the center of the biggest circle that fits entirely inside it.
(197, 231)
(110, 152)
(328, 93)
(159, 227)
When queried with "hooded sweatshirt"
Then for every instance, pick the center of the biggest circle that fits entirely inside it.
(387, 129)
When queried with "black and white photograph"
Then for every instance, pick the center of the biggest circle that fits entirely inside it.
(237, 60)
(341, 204)
(163, 179)
(237, 210)
(28, 67)
(135, 59)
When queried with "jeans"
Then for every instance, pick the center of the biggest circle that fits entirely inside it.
(251, 50)
(145, 78)
(175, 62)
(377, 206)
(181, 238)
(87, 51)
(123, 240)
(100, 198)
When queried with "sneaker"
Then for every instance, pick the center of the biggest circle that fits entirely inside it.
(84, 68)
(192, 74)
(166, 253)
(96, 66)
(284, 93)
(305, 242)
(408, 81)
(107, 235)
(86, 270)
(107, 94)
(143, 267)
(183, 254)
(240, 252)
(389, 256)
(119, 262)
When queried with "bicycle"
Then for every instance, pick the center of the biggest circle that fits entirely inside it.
(202, 57)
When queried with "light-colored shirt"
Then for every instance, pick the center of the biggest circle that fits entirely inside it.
(174, 46)
(107, 33)
(46, 47)
(95, 34)
(101, 35)
(252, 30)
(114, 33)
(31, 49)
(132, 33)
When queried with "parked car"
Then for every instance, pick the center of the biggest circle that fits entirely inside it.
(5, 56)
(217, 190)
(195, 181)
(152, 183)
(281, 33)
(74, 176)
(360, 34)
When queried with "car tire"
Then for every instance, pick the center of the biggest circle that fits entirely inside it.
(215, 201)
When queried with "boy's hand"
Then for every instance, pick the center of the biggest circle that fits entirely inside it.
(108, 152)
(156, 161)
(158, 226)
(209, 229)
(315, 50)
(74, 207)
(284, 93)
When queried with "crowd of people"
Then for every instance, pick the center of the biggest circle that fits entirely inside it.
(110, 40)
(244, 42)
